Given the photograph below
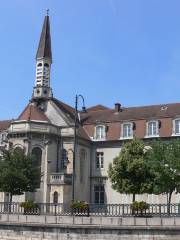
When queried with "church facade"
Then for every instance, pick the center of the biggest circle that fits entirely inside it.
(46, 128)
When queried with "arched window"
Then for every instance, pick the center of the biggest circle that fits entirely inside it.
(46, 65)
(39, 65)
(64, 158)
(36, 158)
(55, 197)
(46, 74)
(82, 164)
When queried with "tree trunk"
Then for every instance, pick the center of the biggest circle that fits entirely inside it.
(133, 200)
(10, 197)
(170, 195)
(10, 202)
(134, 197)
(168, 203)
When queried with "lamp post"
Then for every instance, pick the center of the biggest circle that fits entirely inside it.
(75, 139)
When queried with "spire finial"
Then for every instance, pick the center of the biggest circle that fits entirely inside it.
(47, 12)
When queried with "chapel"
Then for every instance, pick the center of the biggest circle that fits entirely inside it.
(73, 147)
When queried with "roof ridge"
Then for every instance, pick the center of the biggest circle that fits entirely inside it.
(97, 107)
(153, 105)
(65, 106)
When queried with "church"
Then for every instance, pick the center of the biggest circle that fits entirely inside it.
(74, 148)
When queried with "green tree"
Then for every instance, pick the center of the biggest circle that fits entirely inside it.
(164, 160)
(129, 173)
(17, 172)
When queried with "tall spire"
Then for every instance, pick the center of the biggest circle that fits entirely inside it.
(42, 87)
(44, 48)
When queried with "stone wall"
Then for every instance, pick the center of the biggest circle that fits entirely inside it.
(28, 227)
(43, 232)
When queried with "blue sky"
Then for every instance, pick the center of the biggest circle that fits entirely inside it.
(109, 51)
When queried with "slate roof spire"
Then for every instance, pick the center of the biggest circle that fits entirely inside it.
(44, 48)
(42, 88)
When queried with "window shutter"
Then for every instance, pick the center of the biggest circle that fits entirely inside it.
(159, 124)
(107, 128)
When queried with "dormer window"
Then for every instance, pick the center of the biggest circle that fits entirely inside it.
(176, 126)
(152, 128)
(100, 132)
(127, 130)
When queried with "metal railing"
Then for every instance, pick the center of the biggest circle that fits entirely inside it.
(109, 210)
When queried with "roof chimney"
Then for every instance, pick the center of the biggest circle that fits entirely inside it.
(117, 107)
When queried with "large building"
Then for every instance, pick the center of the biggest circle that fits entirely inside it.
(46, 128)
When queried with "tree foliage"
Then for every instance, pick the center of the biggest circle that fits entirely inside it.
(17, 173)
(129, 172)
(164, 160)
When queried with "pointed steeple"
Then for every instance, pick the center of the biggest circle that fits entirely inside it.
(42, 87)
(44, 48)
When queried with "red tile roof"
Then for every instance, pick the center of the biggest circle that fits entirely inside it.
(31, 112)
(82, 133)
(65, 107)
(132, 113)
(102, 114)
(4, 124)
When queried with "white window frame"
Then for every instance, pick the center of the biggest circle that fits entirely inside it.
(64, 158)
(122, 130)
(99, 160)
(148, 135)
(174, 127)
(103, 133)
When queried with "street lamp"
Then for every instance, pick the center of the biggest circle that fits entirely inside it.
(75, 138)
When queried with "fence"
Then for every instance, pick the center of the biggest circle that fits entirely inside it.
(109, 210)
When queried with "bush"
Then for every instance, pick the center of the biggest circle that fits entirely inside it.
(79, 205)
(139, 207)
(29, 206)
